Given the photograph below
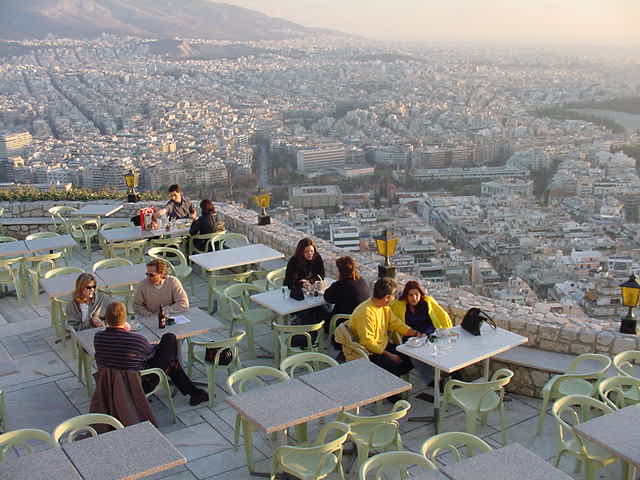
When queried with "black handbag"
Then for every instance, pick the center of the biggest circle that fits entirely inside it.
(225, 357)
(297, 293)
(474, 318)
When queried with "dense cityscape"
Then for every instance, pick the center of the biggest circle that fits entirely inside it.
(486, 163)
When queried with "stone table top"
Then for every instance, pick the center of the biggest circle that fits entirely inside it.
(98, 210)
(235, 257)
(126, 234)
(617, 432)
(282, 405)
(45, 465)
(50, 243)
(469, 349)
(356, 383)
(13, 249)
(200, 322)
(282, 304)
(60, 285)
(121, 276)
(513, 462)
(125, 454)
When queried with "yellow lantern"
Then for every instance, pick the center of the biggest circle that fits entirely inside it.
(630, 298)
(263, 200)
(386, 245)
(132, 180)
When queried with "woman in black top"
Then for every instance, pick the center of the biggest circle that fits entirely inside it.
(305, 267)
(208, 222)
(350, 290)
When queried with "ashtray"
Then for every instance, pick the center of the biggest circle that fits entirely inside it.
(416, 342)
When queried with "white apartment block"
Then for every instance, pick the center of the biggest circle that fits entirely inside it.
(321, 159)
(347, 238)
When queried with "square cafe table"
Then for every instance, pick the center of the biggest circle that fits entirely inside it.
(469, 349)
(279, 406)
(59, 285)
(13, 249)
(513, 462)
(45, 465)
(98, 210)
(200, 322)
(121, 276)
(126, 234)
(50, 243)
(235, 257)
(280, 302)
(124, 454)
(617, 432)
(356, 383)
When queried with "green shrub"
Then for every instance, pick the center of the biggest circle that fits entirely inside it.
(28, 193)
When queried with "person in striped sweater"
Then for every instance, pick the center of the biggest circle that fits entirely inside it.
(117, 347)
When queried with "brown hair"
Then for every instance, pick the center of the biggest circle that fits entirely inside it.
(207, 206)
(116, 314)
(174, 188)
(383, 287)
(302, 244)
(82, 281)
(412, 285)
(347, 268)
(160, 265)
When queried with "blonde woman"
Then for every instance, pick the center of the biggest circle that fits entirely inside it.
(87, 305)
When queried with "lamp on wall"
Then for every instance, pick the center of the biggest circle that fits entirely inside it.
(386, 245)
(132, 179)
(263, 201)
(630, 298)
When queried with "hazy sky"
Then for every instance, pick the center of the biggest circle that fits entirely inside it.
(594, 22)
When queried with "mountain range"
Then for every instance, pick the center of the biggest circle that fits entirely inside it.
(23, 19)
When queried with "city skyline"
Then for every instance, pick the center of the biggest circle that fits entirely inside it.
(571, 22)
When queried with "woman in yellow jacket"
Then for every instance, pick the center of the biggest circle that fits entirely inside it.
(422, 313)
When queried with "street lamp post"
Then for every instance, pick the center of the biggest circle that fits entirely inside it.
(630, 298)
(386, 245)
(132, 179)
(263, 200)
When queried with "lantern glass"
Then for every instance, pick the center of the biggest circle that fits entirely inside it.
(630, 292)
(131, 179)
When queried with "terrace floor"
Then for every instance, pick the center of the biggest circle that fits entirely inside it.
(41, 390)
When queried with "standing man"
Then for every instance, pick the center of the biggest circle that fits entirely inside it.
(371, 322)
(177, 207)
(159, 289)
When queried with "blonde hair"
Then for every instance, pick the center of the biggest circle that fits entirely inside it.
(116, 314)
(82, 281)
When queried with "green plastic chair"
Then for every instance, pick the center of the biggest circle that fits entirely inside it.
(237, 383)
(216, 284)
(578, 409)
(620, 391)
(39, 265)
(309, 362)
(110, 226)
(177, 262)
(232, 240)
(58, 304)
(394, 461)
(376, 432)
(132, 250)
(5, 239)
(10, 276)
(163, 384)
(269, 280)
(126, 292)
(210, 238)
(350, 348)
(37, 235)
(242, 310)
(82, 424)
(57, 215)
(478, 399)
(572, 382)
(316, 461)
(83, 231)
(333, 324)
(212, 367)
(283, 338)
(452, 441)
(21, 438)
(626, 363)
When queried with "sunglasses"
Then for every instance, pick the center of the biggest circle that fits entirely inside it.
(149, 274)
(90, 287)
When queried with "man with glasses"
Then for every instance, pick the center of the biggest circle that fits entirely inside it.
(159, 290)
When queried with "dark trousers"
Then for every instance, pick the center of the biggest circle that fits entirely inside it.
(166, 358)
(385, 362)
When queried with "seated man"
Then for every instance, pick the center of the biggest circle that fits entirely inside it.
(117, 347)
(371, 322)
(159, 290)
(177, 207)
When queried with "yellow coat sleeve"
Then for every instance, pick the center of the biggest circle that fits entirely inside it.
(439, 315)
